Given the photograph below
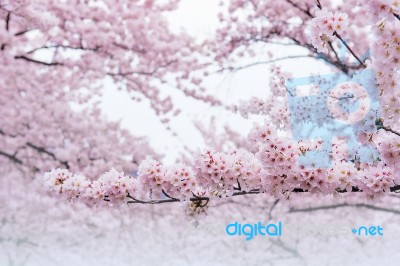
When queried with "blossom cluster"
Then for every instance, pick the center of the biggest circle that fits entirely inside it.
(324, 25)
(376, 180)
(112, 187)
(386, 52)
(381, 10)
(275, 107)
(222, 174)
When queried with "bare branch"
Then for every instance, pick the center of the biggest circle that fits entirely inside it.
(389, 130)
(36, 61)
(11, 157)
(52, 155)
(240, 193)
(168, 196)
(350, 50)
(359, 205)
(272, 208)
(235, 69)
(8, 17)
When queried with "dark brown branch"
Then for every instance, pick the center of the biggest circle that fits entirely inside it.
(124, 47)
(389, 130)
(22, 32)
(95, 49)
(240, 193)
(52, 155)
(168, 196)
(36, 61)
(11, 157)
(359, 205)
(348, 48)
(193, 199)
(8, 17)
(336, 63)
(307, 12)
(238, 188)
(319, 4)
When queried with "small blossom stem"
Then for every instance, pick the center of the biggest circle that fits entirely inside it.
(319, 4)
(239, 188)
(168, 196)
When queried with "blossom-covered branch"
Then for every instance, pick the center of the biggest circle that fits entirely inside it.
(274, 169)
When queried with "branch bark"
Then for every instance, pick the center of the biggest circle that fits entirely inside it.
(241, 193)
(359, 205)
(37, 61)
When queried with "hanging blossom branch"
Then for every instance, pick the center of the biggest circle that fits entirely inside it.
(326, 24)
(273, 170)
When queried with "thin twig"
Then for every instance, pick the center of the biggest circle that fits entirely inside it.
(8, 17)
(389, 129)
(168, 196)
(348, 48)
(235, 69)
(359, 205)
(36, 61)
(43, 150)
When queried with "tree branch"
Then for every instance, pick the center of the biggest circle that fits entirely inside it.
(36, 61)
(388, 129)
(168, 196)
(193, 199)
(241, 193)
(235, 69)
(348, 48)
(307, 12)
(52, 155)
(8, 17)
(11, 157)
(359, 205)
